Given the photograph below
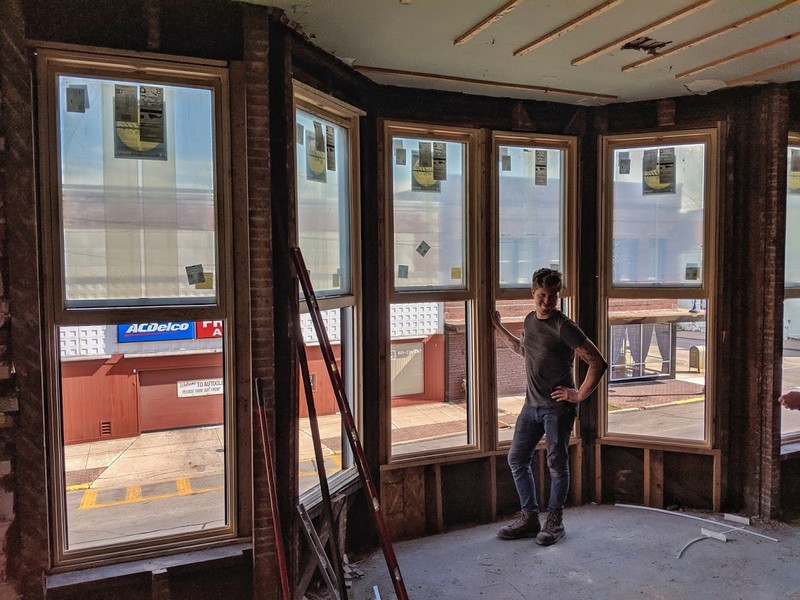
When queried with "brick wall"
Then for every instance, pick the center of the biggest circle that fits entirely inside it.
(13, 79)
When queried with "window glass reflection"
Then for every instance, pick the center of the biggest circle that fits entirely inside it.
(142, 407)
(657, 365)
(790, 419)
(658, 216)
(429, 204)
(430, 365)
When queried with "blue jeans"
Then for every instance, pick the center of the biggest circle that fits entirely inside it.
(556, 425)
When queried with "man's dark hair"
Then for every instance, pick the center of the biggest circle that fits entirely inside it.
(549, 278)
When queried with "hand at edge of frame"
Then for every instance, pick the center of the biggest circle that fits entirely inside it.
(790, 400)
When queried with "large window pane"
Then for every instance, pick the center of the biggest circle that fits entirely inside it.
(432, 407)
(143, 430)
(511, 377)
(790, 419)
(140, 408)
(138, 193)
(429, 204)
(657, 365)
(334, 445)
(658, 212)
(326, 136)
(323, 202)
(531, 207)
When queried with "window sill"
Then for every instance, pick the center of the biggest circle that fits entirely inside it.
(344, 482)
(790, 450)
(143, 571)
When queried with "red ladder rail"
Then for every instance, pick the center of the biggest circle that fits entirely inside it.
(266, 443)
(335, 558)
(348, 422)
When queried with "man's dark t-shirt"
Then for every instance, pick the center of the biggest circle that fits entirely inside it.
(548, 346)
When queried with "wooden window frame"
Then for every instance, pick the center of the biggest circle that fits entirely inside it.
(790, 293)
(311, 100)
(473, 141)
(710, 137)
(51, 63)
(569, 236)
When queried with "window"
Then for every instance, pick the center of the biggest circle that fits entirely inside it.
(433, 298)
(658, 276)
(136, 222)
(790, 420)
(326, 144)
(535, 208)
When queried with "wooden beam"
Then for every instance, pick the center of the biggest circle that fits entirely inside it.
(755, 77)
(567, 27)
(731, 57)
(684, 12)
(437, 475)
(492, 18)
(516, 86)
(655, 488)
(576, 474)
(598, 473)
(716, 481)
(492, 488)
(710, 35)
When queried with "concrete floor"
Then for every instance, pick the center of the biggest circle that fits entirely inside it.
(609, 553)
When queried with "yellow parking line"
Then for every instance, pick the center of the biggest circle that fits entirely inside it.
(184, 486)
(334, 458)
(79, 486)
(133, 494)
(689, 400)
(89, 500)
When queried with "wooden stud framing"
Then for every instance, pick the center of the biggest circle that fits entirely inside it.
(491, 19)
(541, 463)
(654, 476)
(684, 12)
(492, 488)
(437, 476)
(716, 476)
(653, 471)
(504, 84)
(567, 27)
(759, 75)
(576, 474)
(734, 56)
(710, 35)
(598, 472)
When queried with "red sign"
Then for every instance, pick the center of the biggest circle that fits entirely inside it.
(208, 329)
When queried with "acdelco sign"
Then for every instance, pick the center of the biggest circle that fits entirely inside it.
(155, 332)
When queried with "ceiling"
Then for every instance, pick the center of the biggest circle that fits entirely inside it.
(482, 46)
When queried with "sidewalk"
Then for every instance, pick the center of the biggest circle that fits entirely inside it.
(152, 457)
(198, 452)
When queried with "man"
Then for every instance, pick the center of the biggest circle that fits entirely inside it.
(549, 342)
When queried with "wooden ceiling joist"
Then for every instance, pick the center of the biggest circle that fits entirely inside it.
(732, 57)
(681, 14)
(710, 35)
(515, 86)
(567, 27)
(759, 76)
(492, 18)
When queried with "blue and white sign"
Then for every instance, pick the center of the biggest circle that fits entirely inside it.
(155, 332)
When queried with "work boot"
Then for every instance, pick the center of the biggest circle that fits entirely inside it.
(553, 529)
(526, 525)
